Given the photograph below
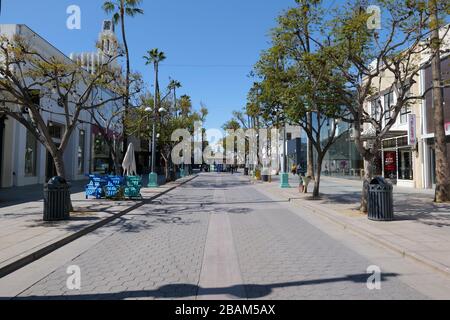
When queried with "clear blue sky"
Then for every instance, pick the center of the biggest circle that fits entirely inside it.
(211, 45)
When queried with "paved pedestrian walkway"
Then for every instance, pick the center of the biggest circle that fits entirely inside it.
(24, 236)
(421, 230)
(220, 237)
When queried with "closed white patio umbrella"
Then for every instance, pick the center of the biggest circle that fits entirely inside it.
(129, 162)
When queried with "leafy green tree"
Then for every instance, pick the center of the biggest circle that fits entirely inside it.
(293, 33)
(30, 80)
(365, 57)
(166, 123)
(304, 91)
(232, 124)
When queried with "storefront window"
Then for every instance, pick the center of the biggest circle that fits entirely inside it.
(81, 151)
(398, 159)
(405, 161)
(101, 154)
(30, 155)
(390, 165)
(343, 158)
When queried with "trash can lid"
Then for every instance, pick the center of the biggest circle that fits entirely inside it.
(379, 180)
(381, 183)
(57, 181)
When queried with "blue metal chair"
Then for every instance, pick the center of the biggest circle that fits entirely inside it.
(133, 187)
(95, 188)
(114, 185)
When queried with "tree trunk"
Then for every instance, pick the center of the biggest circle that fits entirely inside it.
(442, 165)
(316, 192)
(59, 164)
(310, 150)
(61, 171)
(127, 76)
(368, 173)
(166, 169)
(117, 165)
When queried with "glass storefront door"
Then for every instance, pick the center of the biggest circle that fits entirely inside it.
(405, 164)
(433, 166)
(390, 165)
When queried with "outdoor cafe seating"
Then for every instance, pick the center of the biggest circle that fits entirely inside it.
(111, 187)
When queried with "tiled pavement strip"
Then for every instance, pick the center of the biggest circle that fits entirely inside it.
(421, 231)
(24, 237)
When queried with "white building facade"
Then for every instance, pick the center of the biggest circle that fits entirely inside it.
(24, 160)
(407, 157)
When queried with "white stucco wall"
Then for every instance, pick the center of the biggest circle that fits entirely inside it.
(13, 164)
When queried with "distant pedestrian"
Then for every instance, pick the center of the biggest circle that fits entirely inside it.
(299, 170)
(294, 169)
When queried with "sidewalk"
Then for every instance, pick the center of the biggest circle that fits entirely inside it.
(24, 237)
(420, 232)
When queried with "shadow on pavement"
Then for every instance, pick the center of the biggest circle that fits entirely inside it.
(18, 195)
(179, 291)
(407, 207)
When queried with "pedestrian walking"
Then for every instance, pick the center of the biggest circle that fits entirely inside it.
(301, 187)
(299, 170)
(294, 169)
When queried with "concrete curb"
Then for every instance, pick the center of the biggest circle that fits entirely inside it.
(22, 262)
(330, 215)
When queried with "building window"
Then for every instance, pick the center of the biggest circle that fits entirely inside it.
(30, 155)
(404, 114)
(388, 103)
(375, 109)
(81, 151)
(55, 130)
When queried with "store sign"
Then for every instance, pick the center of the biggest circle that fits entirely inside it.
(390, 161)
(412, 129)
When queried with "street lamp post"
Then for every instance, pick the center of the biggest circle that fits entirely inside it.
(285, 175)
(182, 169)
(153, 176)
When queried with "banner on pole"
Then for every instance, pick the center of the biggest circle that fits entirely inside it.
(412, 129)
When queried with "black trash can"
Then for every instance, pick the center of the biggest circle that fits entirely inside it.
(56, 200)
(245, 171)
(265, 178)
(381, 202)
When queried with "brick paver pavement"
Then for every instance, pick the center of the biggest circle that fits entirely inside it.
(159, 252)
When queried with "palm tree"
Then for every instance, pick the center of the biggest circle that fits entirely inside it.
(173, 86)
(119, 10)
(185, 105)
(154, 57)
